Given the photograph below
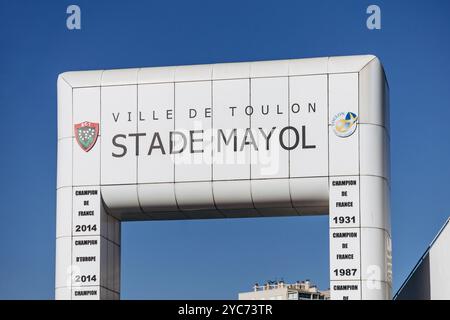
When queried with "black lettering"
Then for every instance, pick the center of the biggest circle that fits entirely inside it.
(295, 108)
(191, 133)
(267, 137)
(123, 147)
(304, 145)
(137, 136)
(344, 183)
(249, 133)
(233, 135)
(156, 137)
(344, 204)
(345, 234)
(116, 117)
(297, 138)
(86, 192)
(278, 109)
(172, 142)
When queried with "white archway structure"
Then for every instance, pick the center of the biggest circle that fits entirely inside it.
(252, 139)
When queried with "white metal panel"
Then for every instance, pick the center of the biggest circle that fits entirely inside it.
(64, 108)
(86, 165)
(270, 160)
(374, 262)
(224, 71)
(87, 272)
(299, 67)
(274, 68)
(373, 94)
(64, 171)
(64, 293)
(201, 72)
(271, 197)
(64, 212)
(63, 262)
(87, 213)
(234, 198)
(343, 91)
(308, 114)
(122, 202)
(348, 63)
(156, 120)
(192, 196)
(158, 201)
(309, 192)
(194, 163)
(86, 105)
(79, 79)
(345, 202)
(345, 254)
(373, 150)
(231, 160)
(375, 290)
(269, 99)
(156, 75)
(344, 159)
(119, 77)
(343, 98)
(375, 211)
(86, 293)
(119, 116)
(86, 108)
(345, 290)
(387, 107)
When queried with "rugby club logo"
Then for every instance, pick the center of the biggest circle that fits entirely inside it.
(86, 134)
(344, 124)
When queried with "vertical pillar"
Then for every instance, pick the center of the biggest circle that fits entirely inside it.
(87, 246)
(374, 155)
(95, 244)
(344, 185)
(345, 238)
(87, 237)
(360, 245)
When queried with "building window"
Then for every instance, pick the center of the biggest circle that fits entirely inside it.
(293, 296)
(304, 296)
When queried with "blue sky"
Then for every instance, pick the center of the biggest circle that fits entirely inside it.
(219, 258)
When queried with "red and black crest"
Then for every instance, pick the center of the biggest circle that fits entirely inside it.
(86, 134)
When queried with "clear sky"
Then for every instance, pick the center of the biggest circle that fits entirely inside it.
(218, 258)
